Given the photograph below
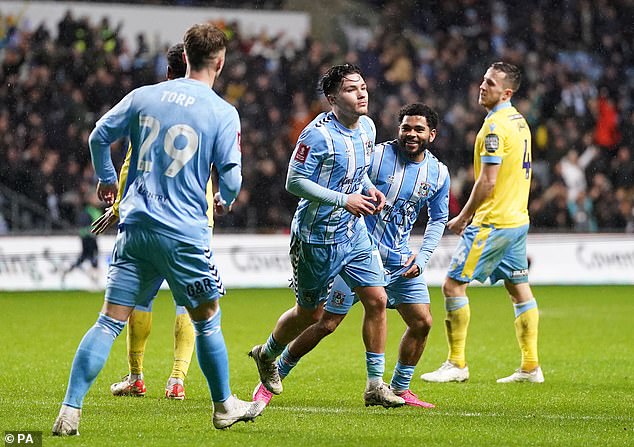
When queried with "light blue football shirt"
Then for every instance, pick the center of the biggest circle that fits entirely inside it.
(408, 186)
(337, 158)
(177, 130)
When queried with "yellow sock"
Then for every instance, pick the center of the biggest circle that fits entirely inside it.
(139, 327)
(456, 325)
(526, 332)
(184, 340)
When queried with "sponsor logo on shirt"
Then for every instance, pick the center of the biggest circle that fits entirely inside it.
(302, 153)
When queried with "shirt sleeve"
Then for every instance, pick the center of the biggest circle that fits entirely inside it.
(438, 209)
(492, 150)
(297, 184)
(366, 184)
(112, 126)
(228, 158)
(310, 151)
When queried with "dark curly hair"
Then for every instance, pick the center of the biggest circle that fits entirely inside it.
(419, 109)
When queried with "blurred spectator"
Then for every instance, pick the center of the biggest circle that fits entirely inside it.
(577, 95)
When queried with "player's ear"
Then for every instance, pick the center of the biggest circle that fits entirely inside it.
(220, 63)
(432, 135)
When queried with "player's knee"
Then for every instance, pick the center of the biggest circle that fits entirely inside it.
(327, 327)
(374, 302)
(421, 325)
(450, 288)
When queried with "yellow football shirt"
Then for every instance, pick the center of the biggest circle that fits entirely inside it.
(504, 139)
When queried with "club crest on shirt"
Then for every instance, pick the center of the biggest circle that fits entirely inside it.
(491, 142)
(390, 179)
(368, 148)
(302, 153)
(423, 189)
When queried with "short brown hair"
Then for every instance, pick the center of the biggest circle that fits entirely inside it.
(202, 43)
(513, 74)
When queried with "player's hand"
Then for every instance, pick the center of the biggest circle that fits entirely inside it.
(413, 270)
(360, 205)
(107, 192)
(379, 199)
(104, 221)
(458, 224)
(220, 206)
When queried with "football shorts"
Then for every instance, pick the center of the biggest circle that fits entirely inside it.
(315, 266)
(142, 259)
(488, 252)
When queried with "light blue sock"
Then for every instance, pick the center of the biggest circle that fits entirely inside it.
(375, 364)
(402, 377)
(272, 348)
(90, 358)
(286, 363)
(520, 308)
(212, 357)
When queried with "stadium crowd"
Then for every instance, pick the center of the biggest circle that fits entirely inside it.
(577, 94)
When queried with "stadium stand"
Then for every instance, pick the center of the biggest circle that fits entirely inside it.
(577, 93)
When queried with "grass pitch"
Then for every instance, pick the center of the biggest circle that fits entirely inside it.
(586, 351)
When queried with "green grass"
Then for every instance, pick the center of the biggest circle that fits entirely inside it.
(586, 351)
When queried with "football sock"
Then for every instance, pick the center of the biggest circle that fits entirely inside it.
(212, 357)
(402, 377)
(90, 358)
(526, 328)
(456, 325)
(272, 348)
(286, 363)
(139, 327)
(184, 340)
(375, 365)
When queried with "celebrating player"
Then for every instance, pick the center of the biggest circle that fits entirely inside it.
(177, 130)
(493, 226)
(410, 177)
(328, 171)
(140, 321)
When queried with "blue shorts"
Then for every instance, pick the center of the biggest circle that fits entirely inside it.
(142, 259)
(180, 309)
(315, 266)
(400, 290)
(487, 252)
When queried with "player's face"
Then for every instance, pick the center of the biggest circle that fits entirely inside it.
(352, 97)
(414, 136)
(493, 90)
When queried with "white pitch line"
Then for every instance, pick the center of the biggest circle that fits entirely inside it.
(322, 410)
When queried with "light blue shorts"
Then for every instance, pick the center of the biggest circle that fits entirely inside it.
(142, 259)
(487, 252)
(399, 290)
(180, 309)
(315, 266)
